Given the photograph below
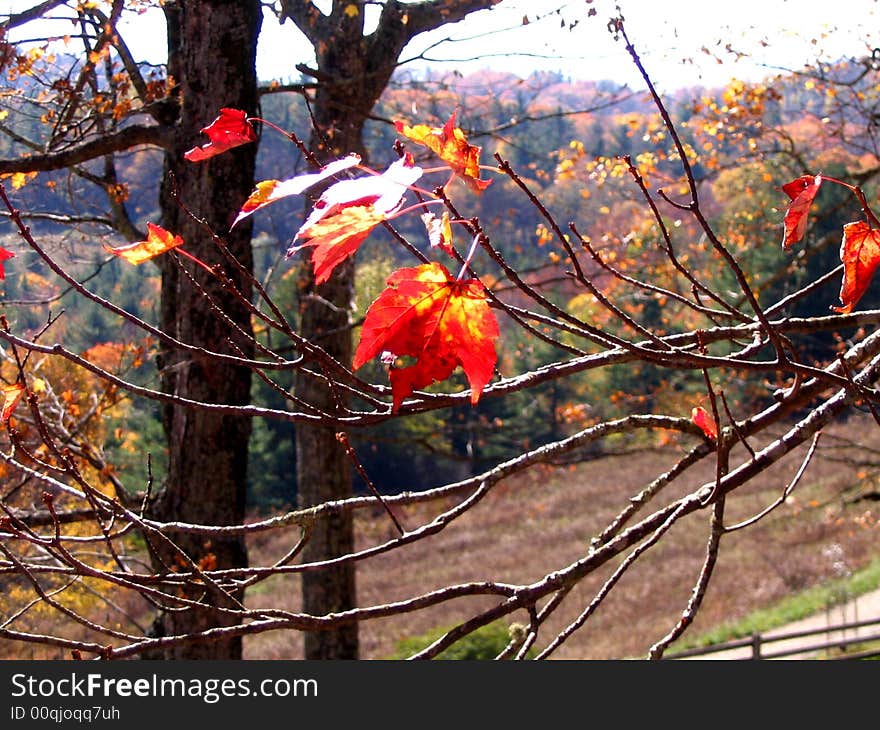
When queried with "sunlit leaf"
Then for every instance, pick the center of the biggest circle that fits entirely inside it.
(11, 396)
(439, 231)
(269, 191)
(347, 211)
(158, 242)
(230, 129)
(337, 236)
(860, 253)
(802, 191)
(427, 315)
(701, 417)
(450, 145)
(4, 256)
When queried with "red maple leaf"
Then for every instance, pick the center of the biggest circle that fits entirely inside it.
(801, 191)
(701, 417)
(441, 322)
(450, 145)
(4, 255)
(347, 211)
(230, 129)
(860, 253)
(158, 242)
(268, 191)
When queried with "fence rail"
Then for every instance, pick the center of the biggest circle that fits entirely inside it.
(832, 648)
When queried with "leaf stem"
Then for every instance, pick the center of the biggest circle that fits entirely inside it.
(470, 255)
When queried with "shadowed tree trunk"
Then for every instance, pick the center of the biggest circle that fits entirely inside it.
(353, 70)
(212, 50)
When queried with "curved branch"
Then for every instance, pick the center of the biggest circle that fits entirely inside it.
(124, 139)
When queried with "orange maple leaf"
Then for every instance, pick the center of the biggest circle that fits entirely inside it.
(11, 396)
(158, 242)
(4, 255)
(701, 417)
(268, 191)
(860, 253)
(441, 322)
(450, 145)
(347, 211)
(337, 236)
(801, 191)
(230, 129)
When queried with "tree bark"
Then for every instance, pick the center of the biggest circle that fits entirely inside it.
(353, 71)
(212, 51)
(323, 470)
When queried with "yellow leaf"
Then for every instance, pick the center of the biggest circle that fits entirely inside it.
(351, 10)
(20, 179)
(158, 242)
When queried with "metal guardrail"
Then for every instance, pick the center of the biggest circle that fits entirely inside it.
(759, 641)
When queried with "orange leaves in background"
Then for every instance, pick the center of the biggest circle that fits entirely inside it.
(439, 321)
(860, 253)
(230, 129)
(158, 242)
(11, 396)
(348, 210)
(801, 191)
(450, 145)
(701, 417)
(4, 255)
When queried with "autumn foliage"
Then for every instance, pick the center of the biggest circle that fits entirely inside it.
(425, 313)
(440, 321)
(622, 293)
(230, 129)
(860, 247)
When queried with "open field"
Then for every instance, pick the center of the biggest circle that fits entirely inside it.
(541, 520)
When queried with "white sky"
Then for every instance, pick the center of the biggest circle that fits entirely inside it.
(669, 35)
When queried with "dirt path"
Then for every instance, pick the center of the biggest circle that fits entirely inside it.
(863, 608)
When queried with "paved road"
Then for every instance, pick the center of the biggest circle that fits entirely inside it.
(864, 608)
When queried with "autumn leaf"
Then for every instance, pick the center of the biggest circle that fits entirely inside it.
(11, 396)
(4, 255)
(802, 191)
(860, 253)
(439, 231)
(701, 418)
(230, 129)
(158, 242)
(268, 191)
(338, 236)
(427, 315)
(450, 145)
(347, 211)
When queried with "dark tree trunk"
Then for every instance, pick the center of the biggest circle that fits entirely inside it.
(323, 470)
(212, 49)
(353, 71)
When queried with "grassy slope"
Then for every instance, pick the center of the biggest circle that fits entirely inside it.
(542, 520)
